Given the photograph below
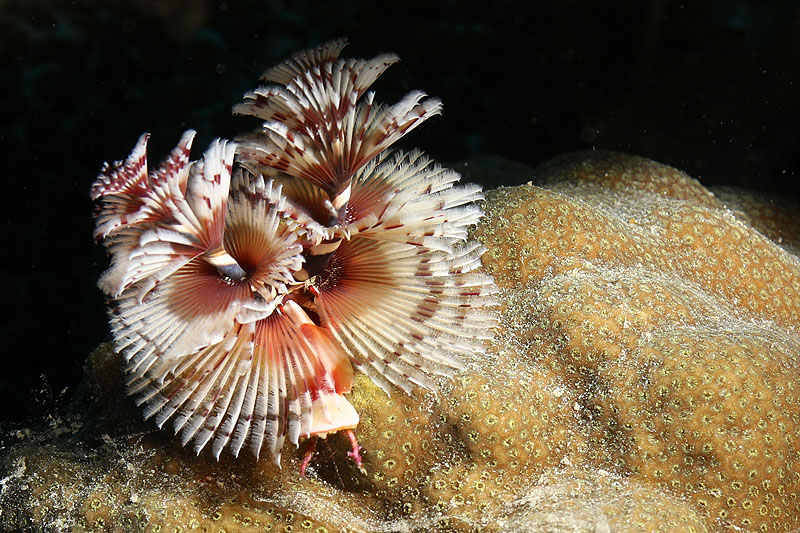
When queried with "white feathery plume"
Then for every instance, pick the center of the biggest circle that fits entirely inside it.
(304, 60)
(195, 305)
(243, 300)
(402, 312)
(323, 126)
(151, 227)
(266, 380)
(409, 198)
(129, 196)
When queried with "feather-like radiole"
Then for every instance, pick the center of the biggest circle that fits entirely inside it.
(321, 125)
(246, 286)
(396, 284)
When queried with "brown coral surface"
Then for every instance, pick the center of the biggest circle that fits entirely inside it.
(645, 378)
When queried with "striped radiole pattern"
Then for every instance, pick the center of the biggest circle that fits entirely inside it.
(246, 286)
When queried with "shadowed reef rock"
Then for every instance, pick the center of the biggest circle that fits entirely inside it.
(645, 378)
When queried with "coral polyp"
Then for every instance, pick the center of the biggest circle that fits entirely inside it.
(246, 286)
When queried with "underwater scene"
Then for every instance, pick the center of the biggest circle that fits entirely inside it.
(413, 267)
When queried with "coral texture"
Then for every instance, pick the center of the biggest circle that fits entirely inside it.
(646, 378)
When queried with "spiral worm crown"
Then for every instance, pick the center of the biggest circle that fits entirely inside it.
(246, 286)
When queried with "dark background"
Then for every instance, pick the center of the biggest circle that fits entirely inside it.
(710, 87)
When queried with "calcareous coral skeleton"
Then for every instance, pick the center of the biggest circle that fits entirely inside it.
(244, 287)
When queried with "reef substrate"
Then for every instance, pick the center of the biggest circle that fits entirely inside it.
(645, 378)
